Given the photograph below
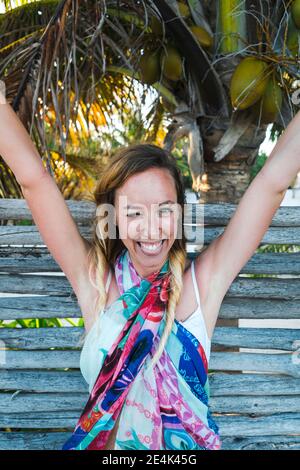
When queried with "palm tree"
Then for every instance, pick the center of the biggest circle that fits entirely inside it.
(68, 65)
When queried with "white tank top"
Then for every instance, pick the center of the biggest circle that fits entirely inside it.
(92, 348)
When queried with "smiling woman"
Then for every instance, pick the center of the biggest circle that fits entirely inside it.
(149, 387)
(140, 394)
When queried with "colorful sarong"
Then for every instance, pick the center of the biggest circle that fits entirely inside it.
(162, 407)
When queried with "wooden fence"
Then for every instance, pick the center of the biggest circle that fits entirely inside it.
(254, 371)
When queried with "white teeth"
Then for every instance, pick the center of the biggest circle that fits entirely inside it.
(151, 246)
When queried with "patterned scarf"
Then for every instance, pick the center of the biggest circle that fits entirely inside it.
(162, 407)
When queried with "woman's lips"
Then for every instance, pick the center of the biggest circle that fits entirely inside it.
(149, 248)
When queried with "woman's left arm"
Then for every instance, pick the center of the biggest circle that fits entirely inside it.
(232, 249)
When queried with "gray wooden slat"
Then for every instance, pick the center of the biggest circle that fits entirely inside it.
(17, 209)
(222, 361)
(261, 443)
(22, 235)
(255, 308)
(44, 420)
(35, 440)
(260, 263)
(38, 307)
(262, 405)
(36, 284)
(226, 384)
(221, 383)
(277, 424)
(42, 402)
(44, 381)
(255, 362)
(29, 234)
(214, 214)
(54, 402)
(61, 307)
(257, 338)
(267, 288)
(68, 337)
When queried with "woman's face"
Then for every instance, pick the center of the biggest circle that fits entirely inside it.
(147, 217)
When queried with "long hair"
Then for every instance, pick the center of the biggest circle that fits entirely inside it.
(127, 161)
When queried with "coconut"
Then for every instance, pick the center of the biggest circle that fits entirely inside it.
(150, 66)
(270, 104)
(183, 9)
(295, 9)
(171, 63)
(203, 37)
(248, 82)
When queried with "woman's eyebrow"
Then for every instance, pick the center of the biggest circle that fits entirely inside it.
(160, 204)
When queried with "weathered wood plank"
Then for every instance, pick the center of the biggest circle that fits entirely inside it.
(44, 420)
(222, 361)
(214, 214)
(35, 440)
(23, 235)
(29, 234)
(28, 440)
(255, 362)
(267, 288)
(36, 284)
(54, 402)
(61, 307)
(226, 384)
(260, 263)
(261, 443)
(46, 381)
(39, 307)
(68, 337)
(278, 424)
(257, 338)
(17, 209)
(221, 383)
(262, 405)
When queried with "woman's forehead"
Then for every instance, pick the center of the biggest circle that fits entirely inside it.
(148, 188)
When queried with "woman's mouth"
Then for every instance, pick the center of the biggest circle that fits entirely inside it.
(151, 248)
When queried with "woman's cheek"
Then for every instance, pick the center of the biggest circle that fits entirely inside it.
(133, 229)
(169, 228)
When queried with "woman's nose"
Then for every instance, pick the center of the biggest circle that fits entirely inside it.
(151, 229)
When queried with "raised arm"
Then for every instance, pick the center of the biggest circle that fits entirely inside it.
(48, 207)
(221, 262)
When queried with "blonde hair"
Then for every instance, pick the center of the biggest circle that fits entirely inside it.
(127, 161)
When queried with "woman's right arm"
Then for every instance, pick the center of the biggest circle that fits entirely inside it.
(48, 207)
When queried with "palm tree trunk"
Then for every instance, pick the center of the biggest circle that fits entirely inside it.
(228, 179)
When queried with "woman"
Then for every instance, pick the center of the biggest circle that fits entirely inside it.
(145, 355)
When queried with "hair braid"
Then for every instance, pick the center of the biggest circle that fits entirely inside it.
(177, 264)
(97, 266)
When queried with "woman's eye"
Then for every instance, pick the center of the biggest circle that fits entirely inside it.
(133, 214)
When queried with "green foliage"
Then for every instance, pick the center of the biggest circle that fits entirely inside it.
(269, 248)
(276, 131)
(24, 222)
(41, 323)
(181, 157)
(258, 164)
